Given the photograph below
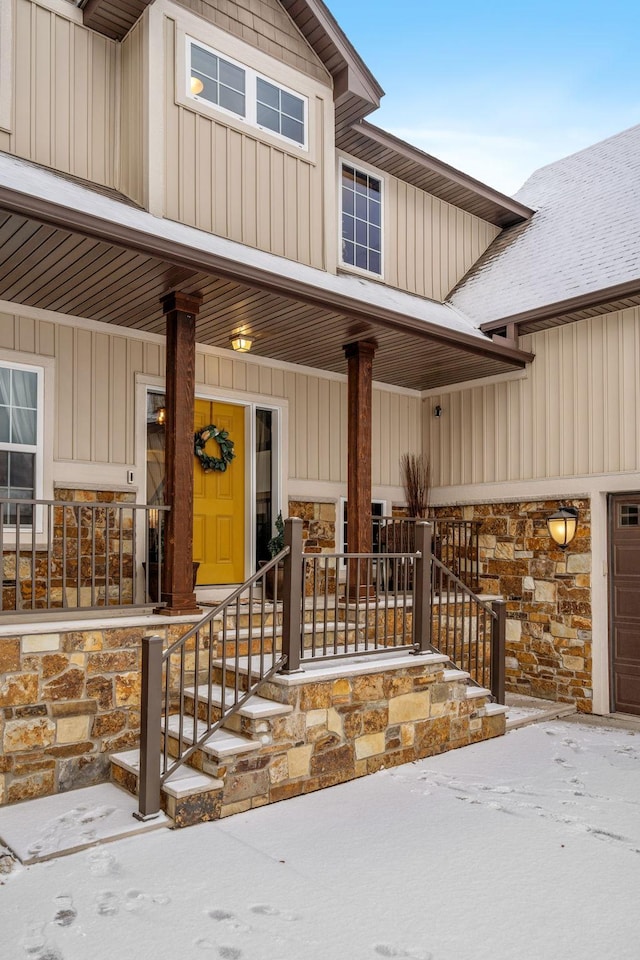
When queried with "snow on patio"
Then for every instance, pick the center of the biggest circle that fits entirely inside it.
(527, 846)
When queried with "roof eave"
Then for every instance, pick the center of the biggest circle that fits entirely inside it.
(565, 308)
(137, 239)
(508, 210)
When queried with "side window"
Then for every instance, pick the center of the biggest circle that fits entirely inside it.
(377, 511)
(20, 439)
(361, 209)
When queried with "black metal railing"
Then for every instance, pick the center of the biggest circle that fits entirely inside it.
(455, 542)
(81, 555)
(331, 606)
(468, 630)
(235, 645)
(362, 603)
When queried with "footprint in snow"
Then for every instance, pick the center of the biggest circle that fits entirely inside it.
(562, 762)
(387, 950)
(266, 910)
(134, 901)
(229, 953)
(229, 920)
(107, 903)
(102, 863)
(35, 946)
(66, 913)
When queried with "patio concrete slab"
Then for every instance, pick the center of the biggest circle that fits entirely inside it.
(54, 826)
(526, 710)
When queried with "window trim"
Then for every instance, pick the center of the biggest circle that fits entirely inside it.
(251, 96)
(38, 448)
(344, 161)
(341, 520)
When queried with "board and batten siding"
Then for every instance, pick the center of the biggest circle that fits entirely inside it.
(575, 413)
(231, 183)
(429, 243)
(64, 95)
(95, 380)
(134, 67)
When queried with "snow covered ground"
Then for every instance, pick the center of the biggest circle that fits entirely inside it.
(523, 847)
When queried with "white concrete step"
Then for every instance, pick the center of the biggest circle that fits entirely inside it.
(183, 782)
(222, 743)
(256, 707)
(454, 674)
(476, 693)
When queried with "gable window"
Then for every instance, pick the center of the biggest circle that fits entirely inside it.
(19, 438)
(361, 208)
(215, 80)
(280, 111)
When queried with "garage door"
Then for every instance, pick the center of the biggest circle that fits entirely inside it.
(624, 525)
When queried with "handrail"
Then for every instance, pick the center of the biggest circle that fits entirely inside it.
(222, 606)
(378, 602)
(165, 673)
(468, 630)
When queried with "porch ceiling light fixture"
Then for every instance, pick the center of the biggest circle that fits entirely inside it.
(562, 526)
(196, 85)
(241, 343)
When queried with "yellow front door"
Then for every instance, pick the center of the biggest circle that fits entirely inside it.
(219, 500)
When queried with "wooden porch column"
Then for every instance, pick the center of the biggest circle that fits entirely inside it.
(181, 310)
(359, 391)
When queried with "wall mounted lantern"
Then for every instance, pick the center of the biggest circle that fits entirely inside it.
(241, 343)
(161, 416)
(563, 525)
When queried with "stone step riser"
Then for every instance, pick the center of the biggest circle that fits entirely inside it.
(185, 811)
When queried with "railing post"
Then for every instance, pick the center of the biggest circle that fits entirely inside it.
(292, 596)
(422, 588)
(498, 647)
(150, 725)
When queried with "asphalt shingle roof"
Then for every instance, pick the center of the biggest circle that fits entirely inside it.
(583, 237)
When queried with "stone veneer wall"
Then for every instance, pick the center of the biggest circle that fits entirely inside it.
(318, 524)
(548, 594)
(66, 700)
(345, 727)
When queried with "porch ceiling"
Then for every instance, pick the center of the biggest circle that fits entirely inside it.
(62, 259)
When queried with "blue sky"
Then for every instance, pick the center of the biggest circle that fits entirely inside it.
(499, 89)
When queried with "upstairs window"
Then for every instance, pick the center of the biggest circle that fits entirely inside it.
(217, 81)
(361, 203)
(280, 111)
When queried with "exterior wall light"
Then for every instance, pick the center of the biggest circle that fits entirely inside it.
(161, 415)
(241, 343)
(563, 525)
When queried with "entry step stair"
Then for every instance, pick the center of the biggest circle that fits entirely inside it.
(255, 708)
(221, 744)
(188, 795)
